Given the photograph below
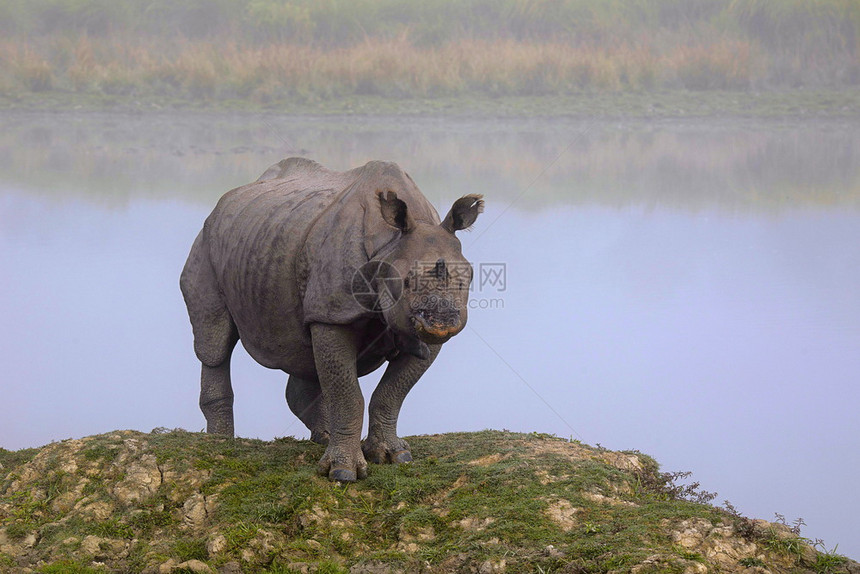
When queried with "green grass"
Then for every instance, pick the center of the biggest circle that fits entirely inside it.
(11, 459)
(752, 562)
(70, 567)
(99, 452)
(190, 549)
(468, 498)
(116, 527)
(829, 563)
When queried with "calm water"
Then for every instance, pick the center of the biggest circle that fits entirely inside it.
(689, 290)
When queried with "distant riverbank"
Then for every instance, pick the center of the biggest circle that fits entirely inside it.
(792, 105)
(509, 58)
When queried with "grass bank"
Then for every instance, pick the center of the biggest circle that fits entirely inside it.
(472, 502)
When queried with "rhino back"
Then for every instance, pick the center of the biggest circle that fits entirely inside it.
(255, 235)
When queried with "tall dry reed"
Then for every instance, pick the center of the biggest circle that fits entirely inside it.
(392, 67)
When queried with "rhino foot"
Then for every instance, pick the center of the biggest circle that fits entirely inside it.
(380, 451)
(343, 465)
(403, 456)
(342, 475)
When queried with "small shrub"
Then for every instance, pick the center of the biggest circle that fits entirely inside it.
(743, 525)
(664, 486)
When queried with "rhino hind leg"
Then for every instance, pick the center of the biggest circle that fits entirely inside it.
(305, 400)
(216, 399)
(215, 336)
(215, 343)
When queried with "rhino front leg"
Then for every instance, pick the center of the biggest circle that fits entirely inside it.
(382, 444)
(335, 353)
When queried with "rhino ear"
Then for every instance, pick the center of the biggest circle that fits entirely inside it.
(464, 212)
(394, 211)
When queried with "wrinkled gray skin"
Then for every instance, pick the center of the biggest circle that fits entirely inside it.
(274, 266)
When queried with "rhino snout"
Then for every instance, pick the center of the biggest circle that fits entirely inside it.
(437, 325)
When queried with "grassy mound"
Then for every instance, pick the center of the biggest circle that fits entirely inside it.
(174, 501)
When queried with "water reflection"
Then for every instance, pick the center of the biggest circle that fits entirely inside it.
(694, 166)
(689, 290)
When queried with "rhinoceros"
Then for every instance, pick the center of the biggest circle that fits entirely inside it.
(327, 276)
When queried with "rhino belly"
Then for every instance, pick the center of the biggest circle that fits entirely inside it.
(283, 351)
(258, 239)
